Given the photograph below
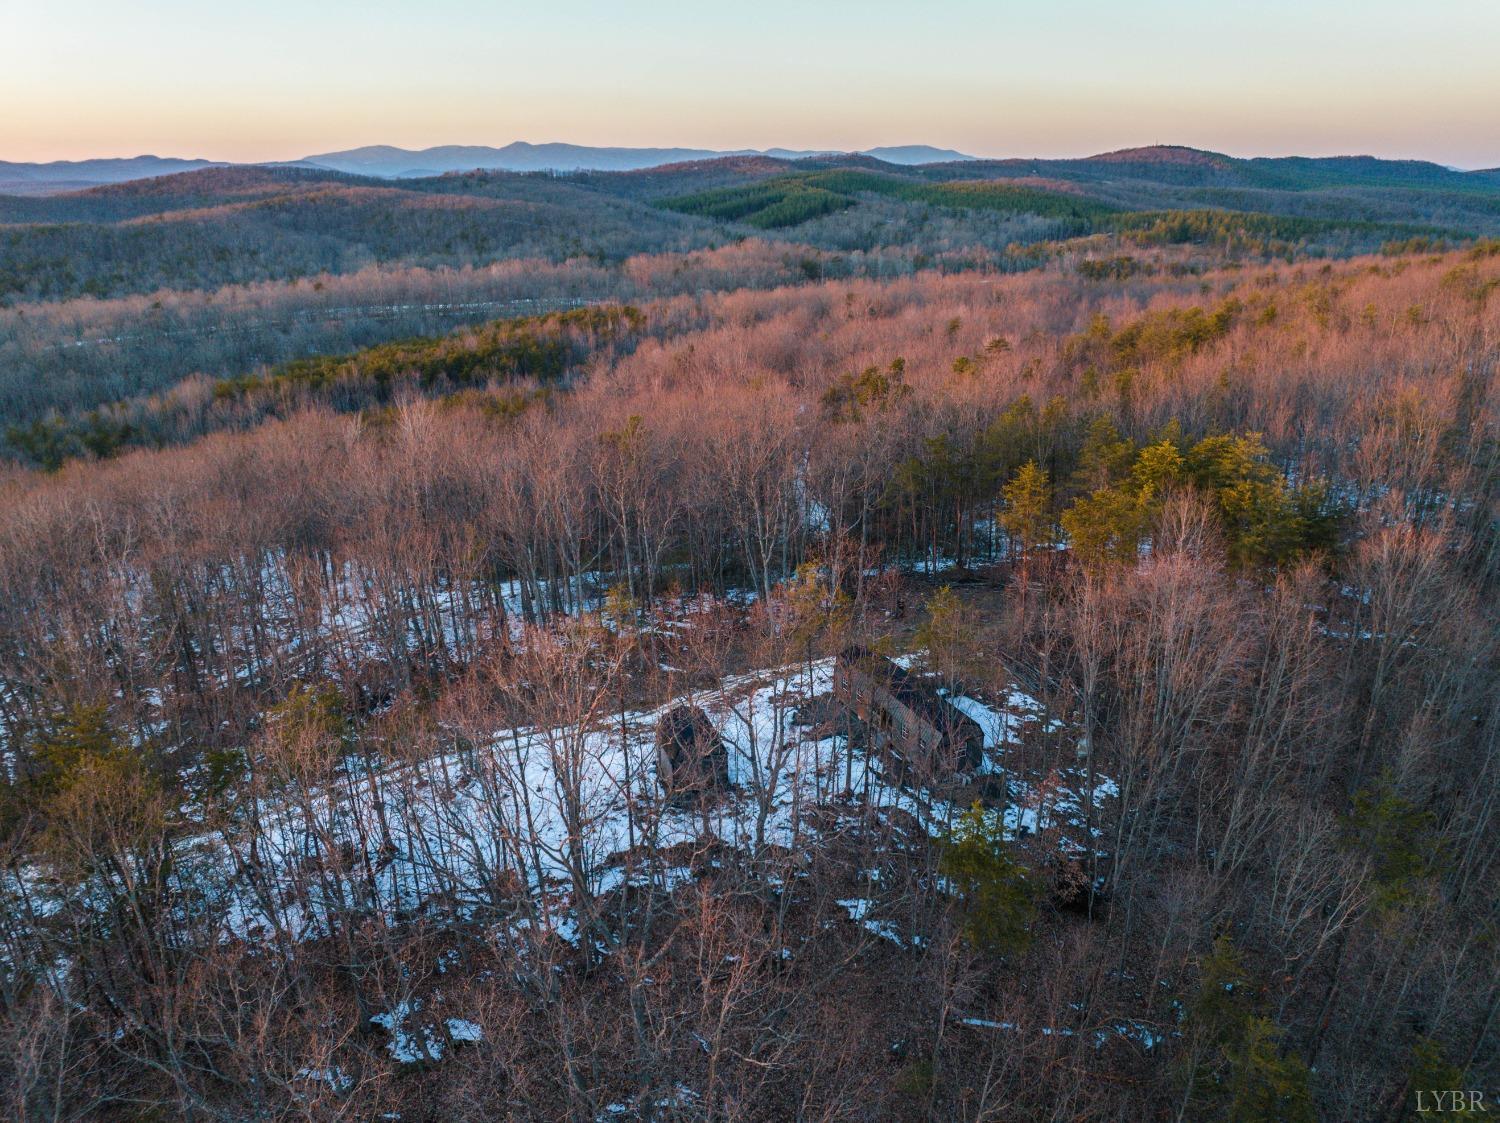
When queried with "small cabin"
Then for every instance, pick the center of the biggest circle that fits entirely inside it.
(690, 755)
(906, 716)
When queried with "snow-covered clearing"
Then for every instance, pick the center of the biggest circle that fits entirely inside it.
(567, 812)
(524, 830)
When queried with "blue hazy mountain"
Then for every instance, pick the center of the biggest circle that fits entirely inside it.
(520, 156)
(70, 175)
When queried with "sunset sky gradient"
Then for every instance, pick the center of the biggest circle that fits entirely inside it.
(278, 79)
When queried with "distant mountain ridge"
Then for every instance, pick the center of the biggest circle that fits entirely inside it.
(1173, 165)
(71, 175)
(385, 161)
(520, 156)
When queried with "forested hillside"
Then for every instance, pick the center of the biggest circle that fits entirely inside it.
(122, 291)
(356, 537)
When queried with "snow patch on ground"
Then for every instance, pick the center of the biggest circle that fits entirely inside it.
(564, 814)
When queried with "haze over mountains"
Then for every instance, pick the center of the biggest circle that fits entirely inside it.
(1171, 163)
(385, 161)
(77, 175)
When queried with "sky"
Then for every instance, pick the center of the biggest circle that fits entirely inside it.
(280, 79)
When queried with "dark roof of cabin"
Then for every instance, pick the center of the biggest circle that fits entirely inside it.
(909, 689)
(686, 725)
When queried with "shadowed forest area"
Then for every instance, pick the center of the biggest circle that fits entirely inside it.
(355, 539)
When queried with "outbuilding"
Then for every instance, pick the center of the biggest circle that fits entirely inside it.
(906, 717)
(691, 758)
